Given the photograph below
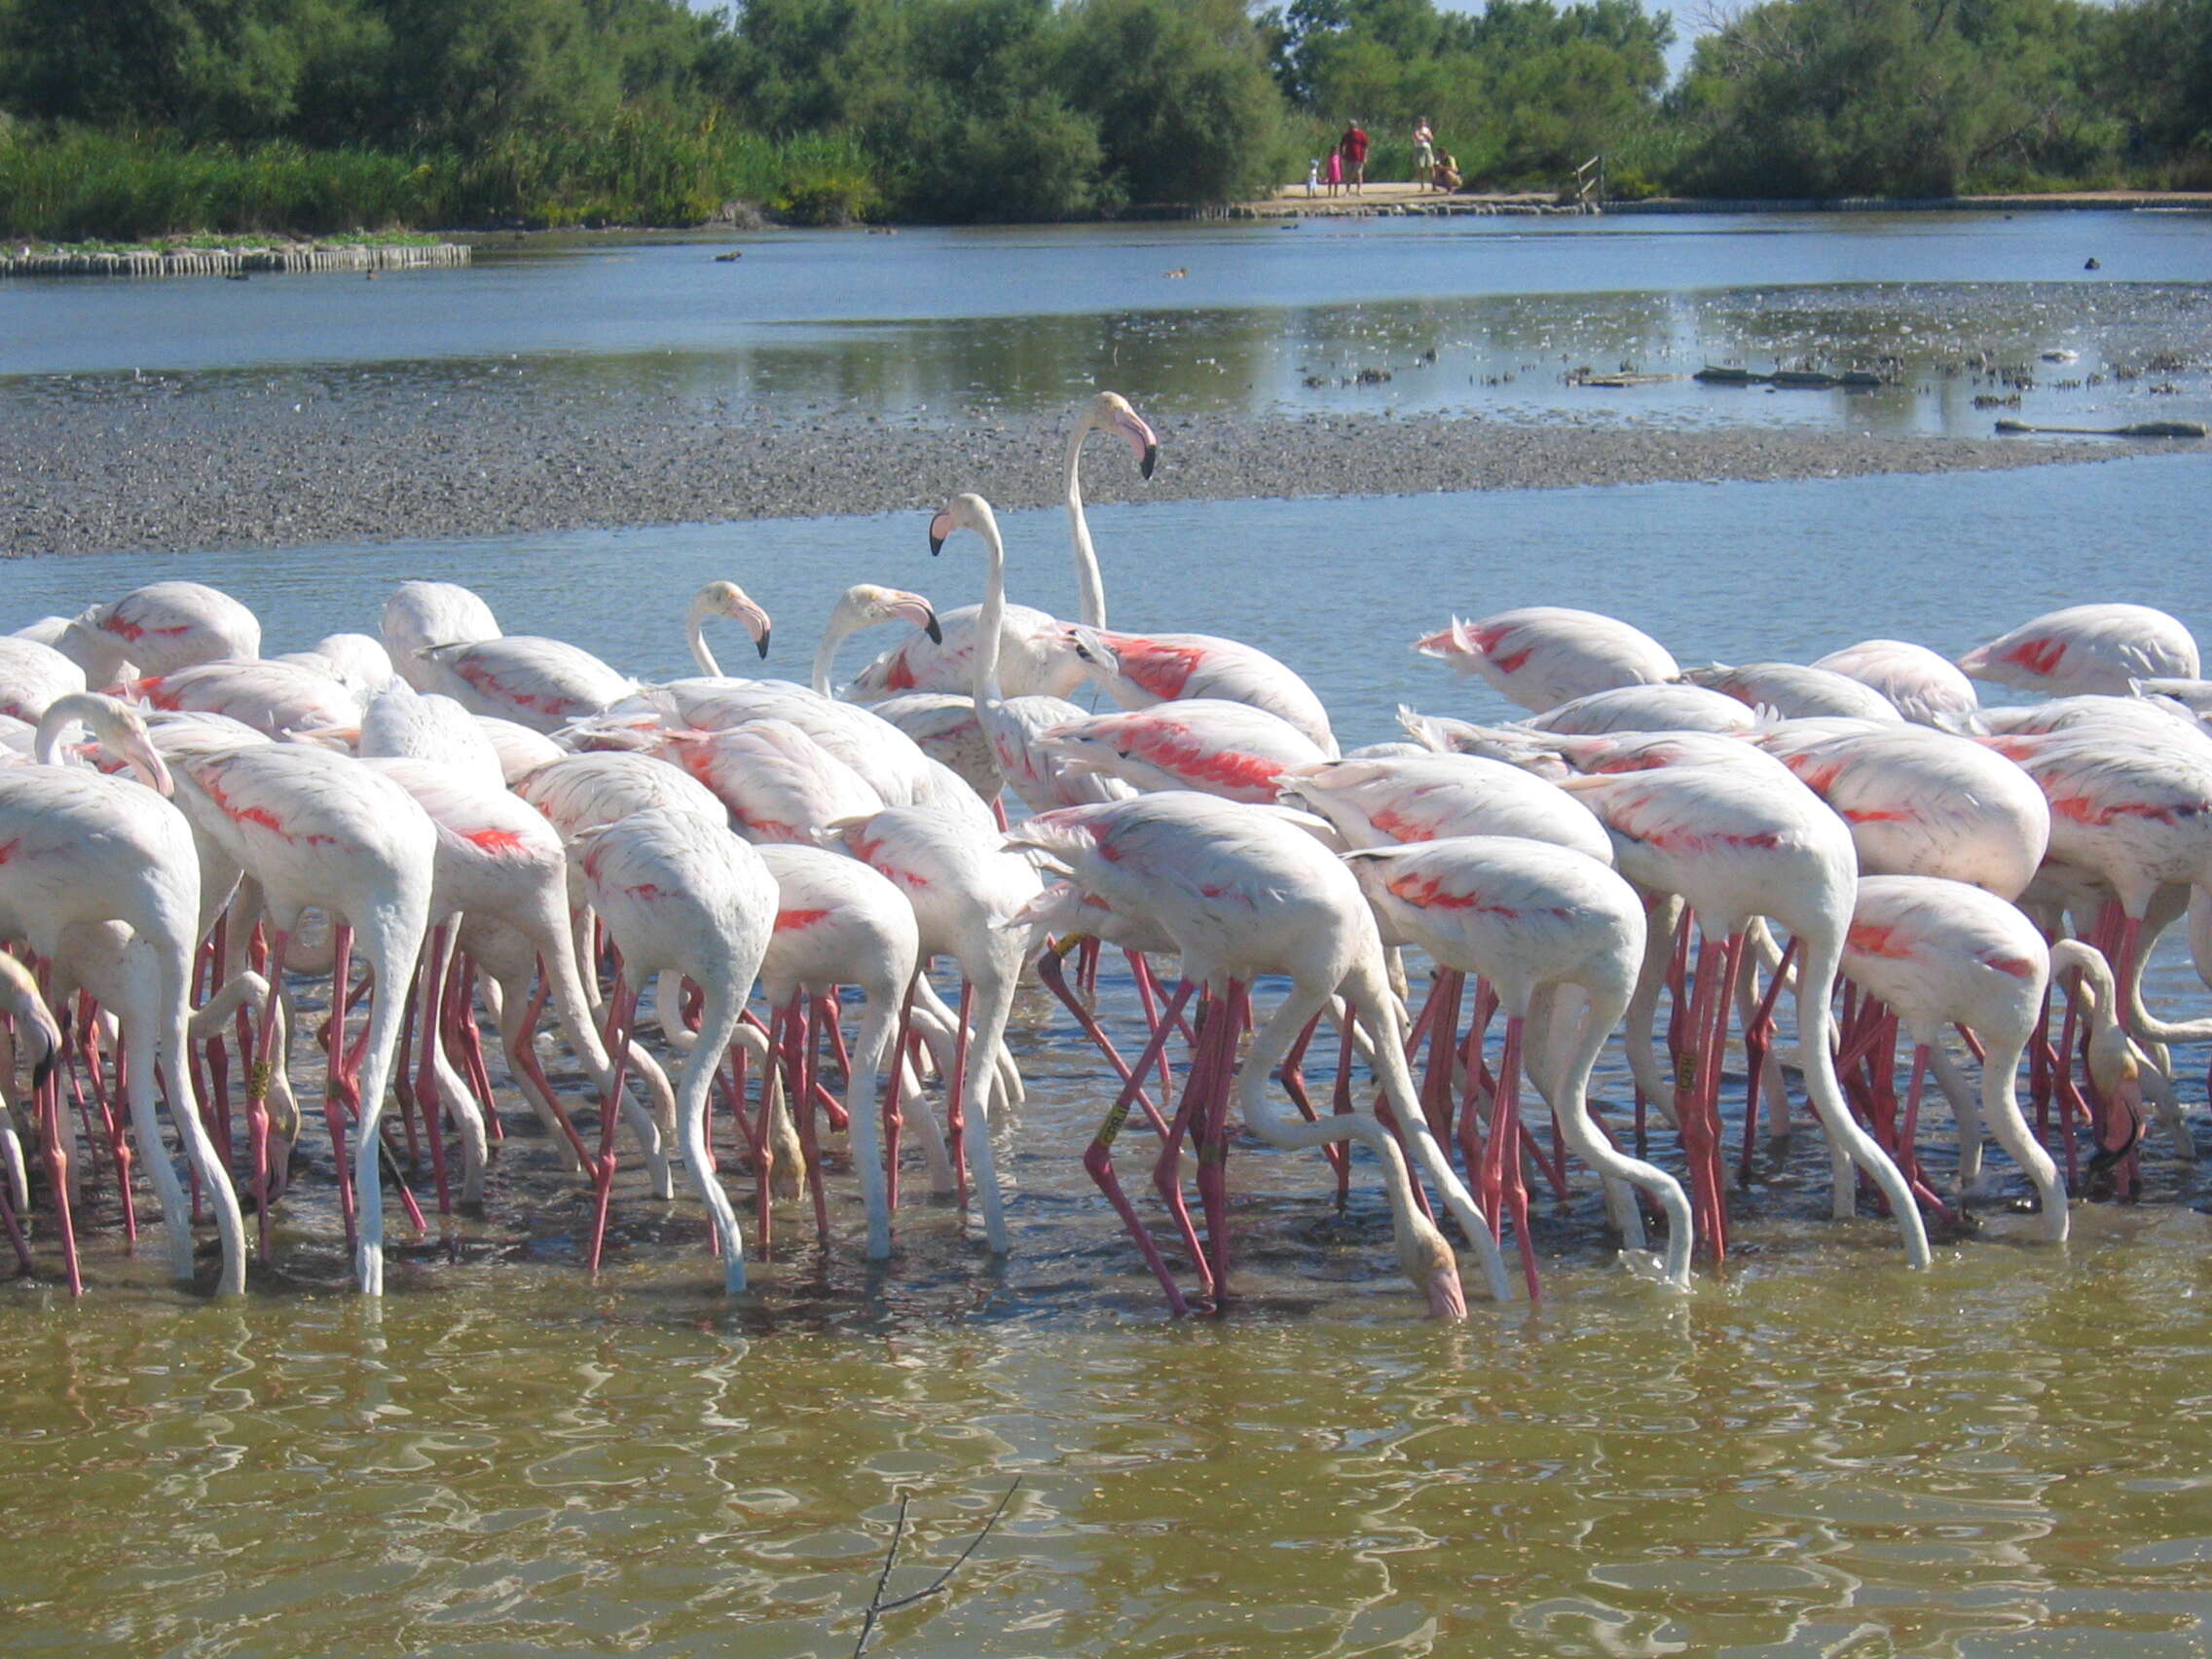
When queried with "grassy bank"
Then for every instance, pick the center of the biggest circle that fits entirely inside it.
(75, 186)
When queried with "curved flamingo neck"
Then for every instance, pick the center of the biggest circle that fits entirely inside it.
(841, 626)
(696, 629)
(1089, 584)
(72, 707)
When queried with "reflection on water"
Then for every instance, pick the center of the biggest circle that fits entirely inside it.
(1500, 317)
(1817, 1452)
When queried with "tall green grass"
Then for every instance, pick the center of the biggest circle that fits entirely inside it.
(641, 169)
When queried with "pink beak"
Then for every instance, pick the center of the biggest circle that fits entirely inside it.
(1446, 1300)
(920, 612)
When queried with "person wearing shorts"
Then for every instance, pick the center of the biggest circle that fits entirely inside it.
(1355, 147)
(1424, 152)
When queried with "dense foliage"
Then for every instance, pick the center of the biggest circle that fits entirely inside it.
(147, 117)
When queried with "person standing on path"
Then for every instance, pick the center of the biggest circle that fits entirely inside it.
(1355, 147)
(1424, 153)
(1336, 174)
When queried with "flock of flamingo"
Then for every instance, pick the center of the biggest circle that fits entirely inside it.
(462, 830)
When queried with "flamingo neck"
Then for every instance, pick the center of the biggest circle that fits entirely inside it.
(990, 621)
(842, 626)
(694, 627)
(1089, 584)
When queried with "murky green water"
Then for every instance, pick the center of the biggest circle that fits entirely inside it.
(1817, 1452)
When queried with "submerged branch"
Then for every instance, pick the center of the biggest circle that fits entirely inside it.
(877, 1607)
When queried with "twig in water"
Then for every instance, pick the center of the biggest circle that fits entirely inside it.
(877, 1607)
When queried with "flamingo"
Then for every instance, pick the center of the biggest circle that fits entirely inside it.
(1382, 803)
(1542, 655)
(2142, 720)
(1530, 917)
(2086, 647)
(359, 661)
(1941, 953)
(1794, 690)
(421, 614)
(1923, 802)
(82, 849)
(838, 922)
(33, 676)
(534, 682)
(866, 605)
(1644, 708)
(161, 628)
(321, 830)
(269, 695)
(1919, 685)
(2137, 817)
(722, 599)
(778, 783)
(1141, 670)
(1034, 658)
(965, 890)
(886, 757)
(1244, 892)
(703, 906)
(1735, 845)
(401, 722)
(1229, 750)
(500, 864)
(1015, 728)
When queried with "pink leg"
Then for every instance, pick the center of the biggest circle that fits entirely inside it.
(257, 1093)
(1757, 1042)
(621, 1016)
(956, 1093)
(893, 1120)
(430, 979)
(814, 1018)
(1218, 1030)
(1503, 1161)
(1098, 1162)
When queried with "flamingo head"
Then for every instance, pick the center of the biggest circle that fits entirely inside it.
(2118, 1072)
(35, 1025)
(1428, 1262)
(864, 605)
(1087, 646)
(963, 512)
(1111, 410)
(119, 728)
(728, 599)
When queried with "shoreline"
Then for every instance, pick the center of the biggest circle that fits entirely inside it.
(137, 470)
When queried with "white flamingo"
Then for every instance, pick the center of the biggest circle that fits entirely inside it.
(1542, 655)
(1530, 917)
(83, 849)
(2086, 647)
(678, 903)
(1033, 657)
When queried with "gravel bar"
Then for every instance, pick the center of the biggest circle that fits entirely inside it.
(118, 466)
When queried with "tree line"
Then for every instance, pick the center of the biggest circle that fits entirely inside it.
(137, 117)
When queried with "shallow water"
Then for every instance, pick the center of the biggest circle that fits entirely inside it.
(1815, 1452)
(1492, 316)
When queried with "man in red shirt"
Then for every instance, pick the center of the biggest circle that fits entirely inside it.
(1354, 144)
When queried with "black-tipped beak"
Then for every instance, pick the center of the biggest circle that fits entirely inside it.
(1150, 461)
(762, 641)
(935, 634)
(45, 1068)
(936, 543)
